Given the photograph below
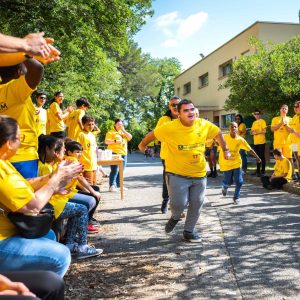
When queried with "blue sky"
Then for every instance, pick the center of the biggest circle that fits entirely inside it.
(186, 28)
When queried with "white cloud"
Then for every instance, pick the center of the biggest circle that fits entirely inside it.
(178, 30)
(170, 43)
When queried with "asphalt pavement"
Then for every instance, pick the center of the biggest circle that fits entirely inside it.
(248, 251)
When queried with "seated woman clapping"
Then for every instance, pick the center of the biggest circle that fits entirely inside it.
(28, 196)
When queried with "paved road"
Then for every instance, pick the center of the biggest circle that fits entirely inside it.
(249, 251)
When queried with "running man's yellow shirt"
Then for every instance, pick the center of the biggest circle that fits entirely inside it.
(258, 126)
(57, 201)
(295, 124)
(116, 147)
(15, 192)
(72, 123)
(55, 124)
(15, 101)
(41, 120)
(89, 154)
(282, 167)
(163, 148)
(281, 136)
(234, 145)
(186, 146)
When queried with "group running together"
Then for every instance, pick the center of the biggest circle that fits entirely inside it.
(49, 157)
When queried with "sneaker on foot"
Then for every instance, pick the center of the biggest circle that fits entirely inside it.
(164, 206)
(94, 222)
(112, 189)
(236, 200)
(88, 251)
(92, 229)
(224, 191)
(192, 237)
(170, 225)
(214, 174)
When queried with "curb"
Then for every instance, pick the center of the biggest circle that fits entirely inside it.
(290, 187)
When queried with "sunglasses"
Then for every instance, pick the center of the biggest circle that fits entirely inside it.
(43, 97)
(174, 104)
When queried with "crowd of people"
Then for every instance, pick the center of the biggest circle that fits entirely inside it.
(47, 157)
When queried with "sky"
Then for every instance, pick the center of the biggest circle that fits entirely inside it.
(186, 28)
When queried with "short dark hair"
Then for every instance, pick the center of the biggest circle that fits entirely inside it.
(8, 129)
(182, 102)
(175, 97)
(40, 93)
(277, 151)
(240, 117)
(83, 101)
(72, 146)
(257, 110)
(86, 119)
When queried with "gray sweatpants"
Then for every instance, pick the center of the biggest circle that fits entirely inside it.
(186, 192)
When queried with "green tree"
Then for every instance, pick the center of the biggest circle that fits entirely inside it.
(266, 79)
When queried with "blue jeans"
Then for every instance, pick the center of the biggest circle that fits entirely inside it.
(88, 201)
(20, 254)
(28, 169)
(114, 176)
(186, 192)
(235, 175)
(244, 159)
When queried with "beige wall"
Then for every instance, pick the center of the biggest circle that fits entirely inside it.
(209, 99)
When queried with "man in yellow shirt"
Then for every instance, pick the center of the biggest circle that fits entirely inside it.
(282, 137)
(282, 172)
(185, 140)
(73, 122)
(18, 83)
(231, 167)
(258, 130)
(170, 115)
(41, 113)
(294, 128)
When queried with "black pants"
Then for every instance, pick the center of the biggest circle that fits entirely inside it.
(276, 183)
(260, 151)
(45, 285)
(165, 193)
(97, 189)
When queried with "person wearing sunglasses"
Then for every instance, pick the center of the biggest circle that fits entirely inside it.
(41, 113)
(170, 115)
(258, 130)
(294, 128)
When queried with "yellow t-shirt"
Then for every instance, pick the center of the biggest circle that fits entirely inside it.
(282, 167)
(89, 152)
(55, 124)
(15, 102)
(118, 136)
(72, 123)
(295, 124)
(234, 145)
(163, 148)
(15, 192)
(57, 201)
(186, 146)
(258, 126)
(41, 120)
(281, 136)
(242, 130)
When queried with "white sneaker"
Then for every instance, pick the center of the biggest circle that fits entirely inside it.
(113, 189)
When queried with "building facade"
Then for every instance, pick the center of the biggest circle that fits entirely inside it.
(201, 82)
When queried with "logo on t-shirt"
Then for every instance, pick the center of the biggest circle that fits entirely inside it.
(3, 106)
